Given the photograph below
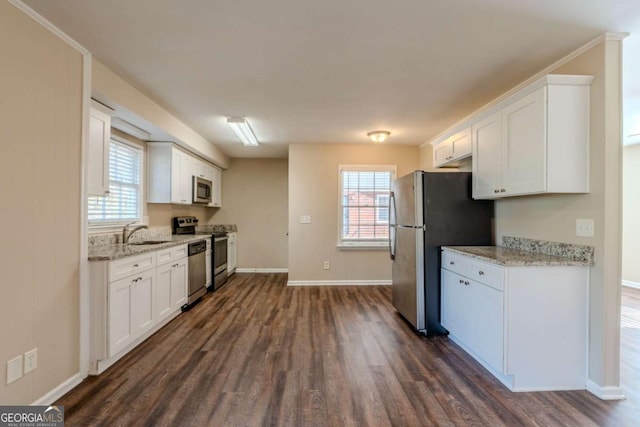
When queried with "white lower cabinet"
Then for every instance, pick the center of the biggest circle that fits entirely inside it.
(208, 276)
(130, 309)
(232, 253)
(131, 298)
(526, 324)
(473, 313)
(171, 289)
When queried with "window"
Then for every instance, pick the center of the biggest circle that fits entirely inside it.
(124, 202)
(364, 206)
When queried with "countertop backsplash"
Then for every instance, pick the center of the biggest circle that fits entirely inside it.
(217, 228)
(153, 233)
(565, 250)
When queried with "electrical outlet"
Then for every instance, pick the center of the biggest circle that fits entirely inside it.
(30, 360)
(327, 265)
(14, 369)
(584, 227)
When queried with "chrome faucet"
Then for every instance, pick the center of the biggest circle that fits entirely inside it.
(126, 234)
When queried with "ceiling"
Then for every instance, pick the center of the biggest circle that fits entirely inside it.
(330, 71)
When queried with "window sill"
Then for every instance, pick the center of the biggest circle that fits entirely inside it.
(363, 246)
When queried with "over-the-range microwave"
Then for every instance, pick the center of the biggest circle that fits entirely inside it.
(202, 190)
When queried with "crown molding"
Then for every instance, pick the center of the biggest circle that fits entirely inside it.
(49, 26)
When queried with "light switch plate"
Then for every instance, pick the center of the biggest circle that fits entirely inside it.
(30, 360)
(14, 369)
(584, 227)
(305, 219)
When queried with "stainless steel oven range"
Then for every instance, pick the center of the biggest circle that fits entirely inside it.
(219, 260)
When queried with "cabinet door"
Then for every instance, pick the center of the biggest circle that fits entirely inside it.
(216, 181)
(181, 178)
(442, 153)
(120, 323)
(208, 266)
(98, 153)
(456, 305)
(487, 151)
(460, 144)
(487, 323)
(232, 253)
(163, 292)
(524, 154)
(142, 318)
(179, 282)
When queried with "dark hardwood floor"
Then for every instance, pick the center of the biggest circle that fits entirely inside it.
(257, 352)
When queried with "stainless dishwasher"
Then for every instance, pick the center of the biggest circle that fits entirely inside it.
(197, 270)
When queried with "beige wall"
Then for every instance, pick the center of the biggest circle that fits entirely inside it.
(552, 217)
(313, 190)
(110, 88)
(255, 197)
(631, 214)
(40, 172)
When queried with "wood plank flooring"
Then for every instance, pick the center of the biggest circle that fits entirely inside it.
(257, 352)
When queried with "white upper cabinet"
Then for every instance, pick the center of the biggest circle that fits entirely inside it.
(216, 191)
(171, 172)
(170, 178)
(453, 149)
(98, 150)
(536, 142)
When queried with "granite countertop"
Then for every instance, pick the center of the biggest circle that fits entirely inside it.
(515, 257)
(119, 250)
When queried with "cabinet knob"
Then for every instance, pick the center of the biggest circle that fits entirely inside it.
(461, 281)
(466, 283)
(452, 263)
(135, 266)
(175, 265)
(496, 191)
(107, 192)
(502, 190)
(481, 273)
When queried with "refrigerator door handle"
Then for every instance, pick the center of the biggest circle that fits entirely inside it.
(392, 225)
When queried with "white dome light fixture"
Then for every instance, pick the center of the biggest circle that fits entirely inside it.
(378, 135)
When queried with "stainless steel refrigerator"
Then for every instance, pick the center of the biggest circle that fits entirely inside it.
(429, 210)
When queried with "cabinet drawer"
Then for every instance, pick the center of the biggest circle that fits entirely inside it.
(483, 272)
(131, 265)
(171, 254)
(488, 274)
(455, 262)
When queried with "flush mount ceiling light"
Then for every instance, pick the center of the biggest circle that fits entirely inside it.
(243, 131)
(378, 135)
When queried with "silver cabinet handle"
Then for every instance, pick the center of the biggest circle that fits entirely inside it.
(481, 273)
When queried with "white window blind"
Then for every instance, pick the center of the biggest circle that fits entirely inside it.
(124, 200)
(364, 209)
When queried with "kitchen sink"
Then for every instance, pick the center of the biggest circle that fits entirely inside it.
(149, 242)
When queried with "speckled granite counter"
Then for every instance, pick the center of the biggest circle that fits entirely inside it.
(517, 251)
(119, 250)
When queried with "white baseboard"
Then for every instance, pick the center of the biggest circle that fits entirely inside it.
(262, 270)
(605, 392)
(631, 284)
(338, 282)
(60, 390)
